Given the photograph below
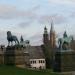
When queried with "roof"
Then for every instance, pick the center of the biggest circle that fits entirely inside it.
(35, 52)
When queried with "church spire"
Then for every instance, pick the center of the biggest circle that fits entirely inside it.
(45, 30)
(52, 36)
(52, 27)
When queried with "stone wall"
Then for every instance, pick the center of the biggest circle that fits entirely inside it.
(9, 56)
(2, 56)
(14, 56)
(64, 61)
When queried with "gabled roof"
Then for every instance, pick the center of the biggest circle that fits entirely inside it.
(35, 52)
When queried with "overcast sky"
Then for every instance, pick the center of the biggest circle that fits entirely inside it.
(29, 17)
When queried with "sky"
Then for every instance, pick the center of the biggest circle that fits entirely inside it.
(29, 17)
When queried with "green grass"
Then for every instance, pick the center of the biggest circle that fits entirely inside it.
(11, 70)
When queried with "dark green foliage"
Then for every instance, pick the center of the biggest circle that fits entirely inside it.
(48, 55)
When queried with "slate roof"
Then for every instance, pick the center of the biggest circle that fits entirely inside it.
(35, 52)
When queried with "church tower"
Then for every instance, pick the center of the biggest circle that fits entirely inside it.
(52, 36)
(45, 36)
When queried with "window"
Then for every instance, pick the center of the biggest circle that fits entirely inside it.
(33, 62)
(41, 61)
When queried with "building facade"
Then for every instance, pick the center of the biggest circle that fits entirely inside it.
(36, 57)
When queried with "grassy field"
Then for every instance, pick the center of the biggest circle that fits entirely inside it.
(9, 70)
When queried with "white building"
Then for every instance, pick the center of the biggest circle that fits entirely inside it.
(38, 63)
(36, 57)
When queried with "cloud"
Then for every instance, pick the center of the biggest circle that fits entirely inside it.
(25, 24)
(62, 1)
(11, 12)
(7, 12)
(35, 8)
(36, 39)
(3, 38)
(72, 15)
(57, 19)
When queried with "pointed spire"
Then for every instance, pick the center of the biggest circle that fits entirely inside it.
(52, 27)
(52, 35)
(45, 30)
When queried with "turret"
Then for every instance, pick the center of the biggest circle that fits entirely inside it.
(45, 36)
